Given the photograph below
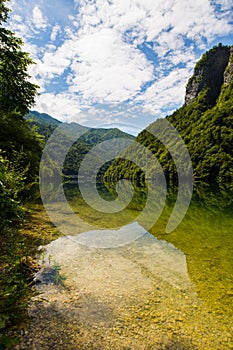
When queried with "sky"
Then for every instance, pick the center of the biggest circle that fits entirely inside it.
(116, 63)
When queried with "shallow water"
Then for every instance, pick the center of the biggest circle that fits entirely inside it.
(127, 288)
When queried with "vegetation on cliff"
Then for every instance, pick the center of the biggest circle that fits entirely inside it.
(206, 128)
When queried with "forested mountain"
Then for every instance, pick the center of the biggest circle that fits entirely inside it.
(45, 126)
(41, 119)
(85, 143)
(43, 123)
(205, 122)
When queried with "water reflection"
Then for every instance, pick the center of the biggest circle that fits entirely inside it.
(204, 236)
(136, 296)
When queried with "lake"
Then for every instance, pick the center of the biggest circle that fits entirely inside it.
(130, 288)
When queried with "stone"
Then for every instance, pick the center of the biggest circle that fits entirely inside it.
(46, 275)
(210, 73)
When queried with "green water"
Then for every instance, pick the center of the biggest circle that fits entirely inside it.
(205, 236)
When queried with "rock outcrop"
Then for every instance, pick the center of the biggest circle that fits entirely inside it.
(214, 69)
(205, 123)
(228, 74)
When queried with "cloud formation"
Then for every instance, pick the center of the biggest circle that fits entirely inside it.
(38, 19)
(107, 69)
(129, 55)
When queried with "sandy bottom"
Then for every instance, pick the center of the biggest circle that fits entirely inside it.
(134, 296)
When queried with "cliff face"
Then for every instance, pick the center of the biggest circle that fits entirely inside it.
(228, 74)
(214, 69)
(205, 123)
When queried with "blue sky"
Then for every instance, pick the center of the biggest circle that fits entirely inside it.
(117, 62)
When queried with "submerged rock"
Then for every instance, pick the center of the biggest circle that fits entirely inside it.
(47, 275)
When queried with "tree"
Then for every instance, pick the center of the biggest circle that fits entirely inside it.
(17, 93)
(20, 150)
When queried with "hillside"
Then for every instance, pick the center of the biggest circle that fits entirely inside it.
(205, 122)
(41, 118)
(45, 126)
(44, 123)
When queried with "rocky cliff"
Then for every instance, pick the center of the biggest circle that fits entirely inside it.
(205, 123)
(214, 68)
(228, 73)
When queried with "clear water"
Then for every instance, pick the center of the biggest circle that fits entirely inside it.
(205, 237)
(132, 289)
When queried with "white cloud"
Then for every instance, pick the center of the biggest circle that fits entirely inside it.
(38, 19)
(53, 64)
(101, 70)
(56, 29)
(166, 93)
(108, 69)
(62, 106)
(226, 5)
(98, 47)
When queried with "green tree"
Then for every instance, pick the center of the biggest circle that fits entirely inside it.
(16, 91)
(20, 150)
(17, 95)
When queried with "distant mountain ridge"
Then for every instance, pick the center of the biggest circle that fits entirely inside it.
(205, 123)
(45, 126)
(37, 117)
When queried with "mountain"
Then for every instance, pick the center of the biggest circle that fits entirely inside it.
(42, 118)
(85, 143)
(205, 123)
(43, 123)
(86, 137)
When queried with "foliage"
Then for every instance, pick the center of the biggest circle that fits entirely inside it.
(17, 92)
(208, 134)
(209, 138)
(90, 137)
(43, 123)
(14, 287)
(20, 150)
(11, 186)
(19, 142)
(42, 118)
(14, 282)
(85, 143)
